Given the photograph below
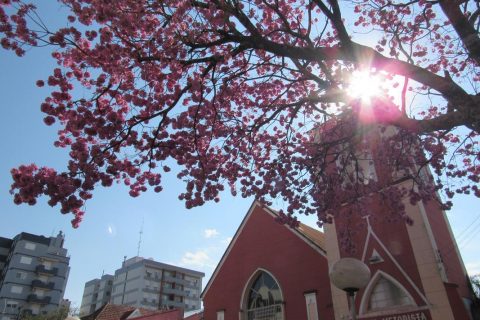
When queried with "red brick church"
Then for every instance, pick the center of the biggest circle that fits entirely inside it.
(273, 272)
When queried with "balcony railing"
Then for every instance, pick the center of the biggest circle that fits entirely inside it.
(177, 292)
(36, 299)
(152, 277)
(150, 303)
(43, 285)
(42, 270)
(27, 312)
(175, 279)
(151, 290)
(174, 304)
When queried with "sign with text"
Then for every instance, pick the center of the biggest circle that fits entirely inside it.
(413, 315)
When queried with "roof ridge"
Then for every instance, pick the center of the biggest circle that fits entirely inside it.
(312, 234)
(317, 243)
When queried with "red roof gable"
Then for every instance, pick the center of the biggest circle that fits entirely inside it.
(174, 314)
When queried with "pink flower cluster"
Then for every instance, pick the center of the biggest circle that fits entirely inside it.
(30, 182)
(237, 97)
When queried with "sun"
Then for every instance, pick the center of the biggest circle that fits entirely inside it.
(364, 85)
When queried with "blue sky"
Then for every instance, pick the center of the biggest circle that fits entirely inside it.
(193, 238)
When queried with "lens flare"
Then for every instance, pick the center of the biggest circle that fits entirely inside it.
(364, 85)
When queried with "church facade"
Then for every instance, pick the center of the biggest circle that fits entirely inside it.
(273, 272)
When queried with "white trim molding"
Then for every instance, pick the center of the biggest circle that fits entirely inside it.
(368, 291)
(311, 304)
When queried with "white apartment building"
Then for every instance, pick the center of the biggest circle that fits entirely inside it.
(148, 284)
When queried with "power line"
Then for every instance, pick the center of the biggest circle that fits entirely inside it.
(467, 236)
(470, 236)
(469, 226)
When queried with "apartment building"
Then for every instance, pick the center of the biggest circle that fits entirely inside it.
(96, 293)
(33, 274)
(149, 284)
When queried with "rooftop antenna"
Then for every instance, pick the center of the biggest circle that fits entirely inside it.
(140, 238)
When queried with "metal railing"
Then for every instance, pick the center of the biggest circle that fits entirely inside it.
(177, 292)
(273, 312)
(36, 299)
(41, 284)
(175, 280)
(151, 290)
(41, 269)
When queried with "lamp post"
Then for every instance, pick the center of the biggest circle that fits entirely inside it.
(350, 275)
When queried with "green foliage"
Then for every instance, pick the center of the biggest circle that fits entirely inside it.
(475, 281)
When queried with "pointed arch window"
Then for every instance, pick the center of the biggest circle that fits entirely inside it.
(386, 294)
(264, 299)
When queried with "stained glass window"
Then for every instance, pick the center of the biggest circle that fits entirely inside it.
(264, 299)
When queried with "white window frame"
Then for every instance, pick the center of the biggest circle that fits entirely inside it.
(16, 289)
(48, 264)
(246, 291)
(364, 310)
(26, 260)
(30, 246)
(39, 292)
(311, 304)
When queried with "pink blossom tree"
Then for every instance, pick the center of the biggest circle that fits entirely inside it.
(254, 96)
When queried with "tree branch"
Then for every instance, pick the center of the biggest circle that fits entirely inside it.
(464, 29)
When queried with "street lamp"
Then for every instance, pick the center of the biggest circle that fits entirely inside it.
(350, 275)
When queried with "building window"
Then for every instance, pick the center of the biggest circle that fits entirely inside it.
(30, 245)
(49, 264)
(386, 294)
(221, 315)
(16, 289)
(43, 278)
(311, 300)
(264, 299)
(38, 292)
(26, 260)
(357, 167)
(21, 275)
(35, 309)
